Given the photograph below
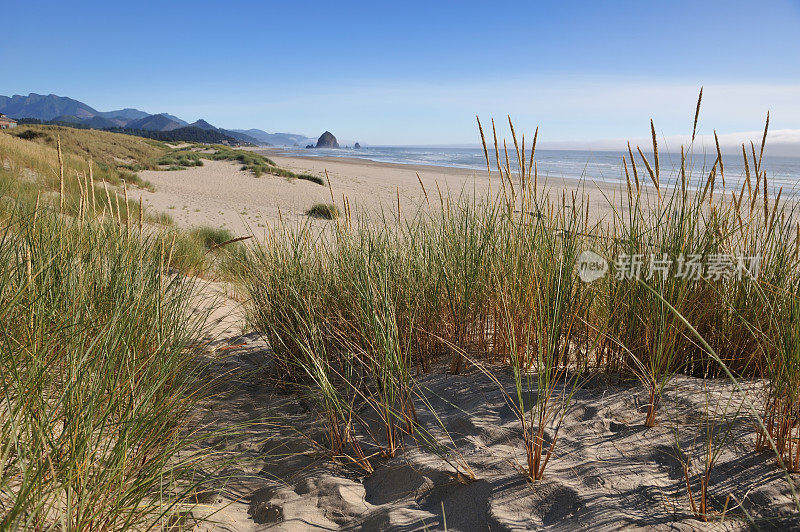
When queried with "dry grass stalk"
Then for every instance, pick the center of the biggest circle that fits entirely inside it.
(127, 205)
(697, 113)
(533, 152)
(397, 191)
(108, 198)
(710, 184)
(756, 163)
(683, 170)
(496, 150)
(60, 173)
(330, 186)
(763, 142)
(119, 212)
(508, 170)
(91, 184)
(169, 256)
(81, 190)
(655, 153)
(633, 167)
(719, 159)
(35, 212)
(516, 149)
(747, 172)
(627, 179)
(653, 176)
(485, 151)
(425, 192)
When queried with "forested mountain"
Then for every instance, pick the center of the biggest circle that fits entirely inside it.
(43, 107)
(154, 123)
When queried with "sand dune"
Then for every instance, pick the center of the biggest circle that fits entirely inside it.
(609, 472)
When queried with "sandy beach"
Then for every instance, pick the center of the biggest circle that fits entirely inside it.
(610, 472)
(220, 194)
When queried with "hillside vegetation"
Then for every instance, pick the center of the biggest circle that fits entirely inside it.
(97, 166)
(35, 147)
(116, 157)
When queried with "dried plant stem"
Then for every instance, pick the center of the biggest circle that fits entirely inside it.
(485, 150)
(60, 173)
(655, 154)
(633, 167)
(653, 177)
(91, 184)
(697, 113)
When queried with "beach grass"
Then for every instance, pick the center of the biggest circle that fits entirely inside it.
(180, 158)
(494, 282)
(98, 375)
(326, 211)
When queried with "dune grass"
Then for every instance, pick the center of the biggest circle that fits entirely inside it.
(100, 146)
(257, 164)
(38, 158)
(211, 236)
(97, 374)
(326, 211)
(495, 281)
(115, 158)
(180, 159)
(282, 172)
(98, 362)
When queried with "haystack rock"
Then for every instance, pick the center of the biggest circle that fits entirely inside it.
(327, 140)
(357, 146)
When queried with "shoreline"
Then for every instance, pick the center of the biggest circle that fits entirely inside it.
(274, 153)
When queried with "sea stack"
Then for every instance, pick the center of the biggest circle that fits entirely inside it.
(357, 146)
(327, 140)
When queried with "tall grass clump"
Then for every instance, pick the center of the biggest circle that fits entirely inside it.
(359, 310)
(257, 164)
(98, 376)
(211, 236)
(179, 158)
(325, 211)
(650, 231)
(782, 402)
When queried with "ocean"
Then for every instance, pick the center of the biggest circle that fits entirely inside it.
(575, 164)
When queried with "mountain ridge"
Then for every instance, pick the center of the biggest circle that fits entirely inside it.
(277, 139)
(44, 107)
(51, 107)
(158, 122)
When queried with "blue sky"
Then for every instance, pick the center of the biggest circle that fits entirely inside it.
(417, 73)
